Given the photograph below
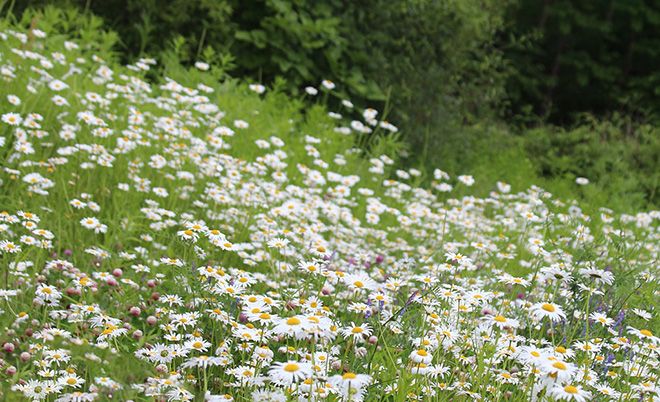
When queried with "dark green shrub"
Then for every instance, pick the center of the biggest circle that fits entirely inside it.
(622, 161)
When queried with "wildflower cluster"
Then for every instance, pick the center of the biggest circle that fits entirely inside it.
(180, 241)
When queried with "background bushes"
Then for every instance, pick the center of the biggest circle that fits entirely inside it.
(524, 90)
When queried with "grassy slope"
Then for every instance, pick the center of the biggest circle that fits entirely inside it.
(271, 114)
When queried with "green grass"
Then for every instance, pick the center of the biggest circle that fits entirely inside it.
(416, 268)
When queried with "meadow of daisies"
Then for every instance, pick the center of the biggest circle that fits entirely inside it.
(167, 237)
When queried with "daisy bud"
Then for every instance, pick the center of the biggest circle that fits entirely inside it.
(242, 318)
(155, 296)
(151, 283)
(379, 259)
(8, 347)
(117, 272)
(361, 351)
(137, 334)
(326, 291)
(11, 370)
(112, 282)
(336, 365)
(151, 320)
(135, 311)
(29, 332)
(68, 252)
(73, 292)
(25, 356)
(161, 368)
(373, 340)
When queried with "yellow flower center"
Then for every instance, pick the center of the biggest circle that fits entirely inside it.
(500, 318)
(109, 329)
(291, 368)
(548, 307)
(349, 376)
(570, 389)
(293, 321)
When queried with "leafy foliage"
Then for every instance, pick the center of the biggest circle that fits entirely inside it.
(229, 243)
(369, 46)
(445, 72)
(605, 152)
(597, 56)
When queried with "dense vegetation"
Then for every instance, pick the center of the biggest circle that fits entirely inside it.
(595, 56)
(170, 233)
(474, 74)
